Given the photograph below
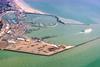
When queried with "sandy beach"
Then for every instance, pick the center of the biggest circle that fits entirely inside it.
(21, 4)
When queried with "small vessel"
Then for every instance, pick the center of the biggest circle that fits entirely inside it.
(86, 31)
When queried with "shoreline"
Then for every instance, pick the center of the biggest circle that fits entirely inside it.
(29, 9)
(21, 4)
(33, 47)
(12, 40)
(58, 19)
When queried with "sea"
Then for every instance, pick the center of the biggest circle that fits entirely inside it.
(73, 33)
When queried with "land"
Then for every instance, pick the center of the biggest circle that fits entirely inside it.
(12, 39)
(26, 8)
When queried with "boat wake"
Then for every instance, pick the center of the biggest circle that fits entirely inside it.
(87, 31)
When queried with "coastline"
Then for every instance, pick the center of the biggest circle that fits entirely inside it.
(19, 43)
(26, 8)
(60, 19)
(49, 48)
(21, 4)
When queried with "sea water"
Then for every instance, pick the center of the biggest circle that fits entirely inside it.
(86, 55)
(80, 10)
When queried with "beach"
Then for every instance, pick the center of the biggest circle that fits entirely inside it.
(26, 8)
